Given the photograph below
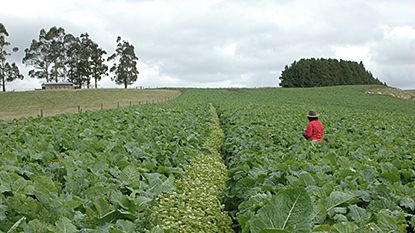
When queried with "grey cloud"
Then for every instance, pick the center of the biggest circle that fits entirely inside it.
(399, 76)
(190, 43)
(395, 52)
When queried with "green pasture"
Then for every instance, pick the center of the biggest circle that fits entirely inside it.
(52, 102)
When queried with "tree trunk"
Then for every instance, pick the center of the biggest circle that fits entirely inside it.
(56, 73)
(125, 83)
(3, 81)
(46, 72)
(96, 84)
(2, 78)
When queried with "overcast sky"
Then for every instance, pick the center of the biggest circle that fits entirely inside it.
(238, 43)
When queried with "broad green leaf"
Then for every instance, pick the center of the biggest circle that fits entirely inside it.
(5, 181)
(64, 225)
(358, 214)
(372, 227)
(390, 176)
(131, 176)
(156, 185)
(142, 200)
(16, 225)
(322, 228)
(125, 202)
(125, 226)
(319, 213)
(8, 158)
(337, 210)
(113, 215)
(408, 203)
(3, 209)
(340, 218)
(103, 207)
(36, 226)
(306, 179)
(345, 227)
(250, 206)
(45, 189)
(337, 198)
(289, 210)
(383, 203)
(390, 221)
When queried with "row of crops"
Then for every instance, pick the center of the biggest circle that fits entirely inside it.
(96, 171)
(360, 179)
(161, 168)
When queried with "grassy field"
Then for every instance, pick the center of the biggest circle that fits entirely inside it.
(23, 104)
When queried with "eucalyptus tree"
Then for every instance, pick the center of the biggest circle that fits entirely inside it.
(93, 58)
(125, 63)
(97, 64)
(47, 55)
(8, 71)
(84, 60)
(75, 67)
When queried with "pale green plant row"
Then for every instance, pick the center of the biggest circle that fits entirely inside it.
(196, 205)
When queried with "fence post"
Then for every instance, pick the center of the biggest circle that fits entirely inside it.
(102, 106)
(41, 112)
(130, 103)
(118, 104)
(79, 109)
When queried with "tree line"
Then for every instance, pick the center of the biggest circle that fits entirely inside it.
(57, 56)
(325, 72)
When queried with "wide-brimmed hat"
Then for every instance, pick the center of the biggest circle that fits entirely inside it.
(312, 114)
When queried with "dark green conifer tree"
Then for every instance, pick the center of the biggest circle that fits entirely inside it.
(325, 72)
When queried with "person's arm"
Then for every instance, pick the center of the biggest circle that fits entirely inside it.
(309, 131)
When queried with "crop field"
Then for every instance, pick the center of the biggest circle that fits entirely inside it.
(215, 160)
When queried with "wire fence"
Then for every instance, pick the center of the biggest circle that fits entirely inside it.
(91, 107)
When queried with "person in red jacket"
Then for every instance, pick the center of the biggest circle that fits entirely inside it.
(315, 128)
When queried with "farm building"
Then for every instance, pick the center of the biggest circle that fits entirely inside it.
(62, 85)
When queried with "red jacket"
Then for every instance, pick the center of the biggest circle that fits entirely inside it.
(314, 130)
